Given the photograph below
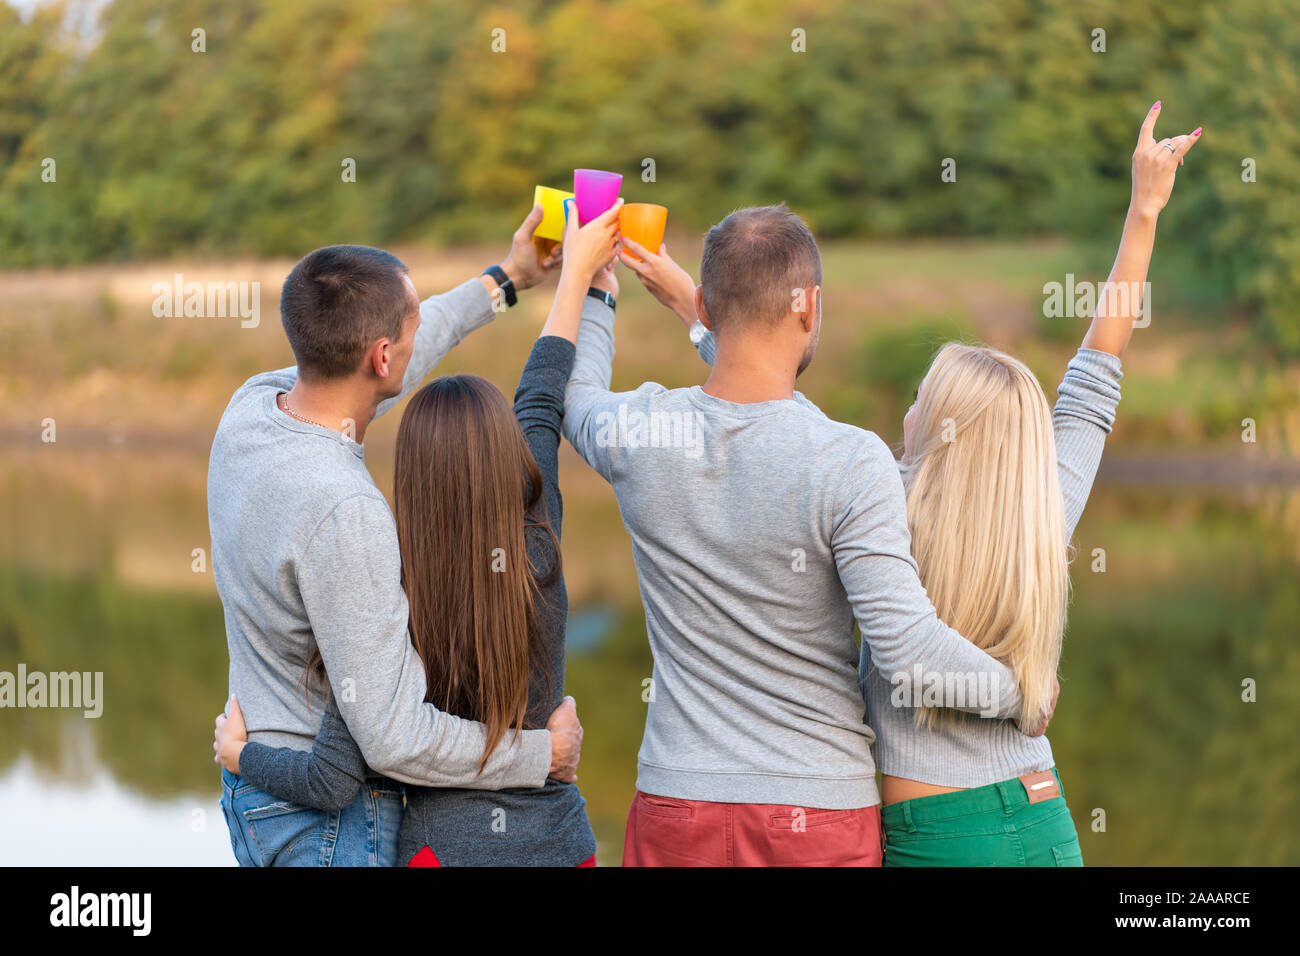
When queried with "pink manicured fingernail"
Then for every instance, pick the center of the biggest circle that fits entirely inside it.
(1157, 106)
(1197, 131)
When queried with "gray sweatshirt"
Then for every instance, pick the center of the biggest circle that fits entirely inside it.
(971, 752)
(761, 532)
(304, 551)
(546, 827)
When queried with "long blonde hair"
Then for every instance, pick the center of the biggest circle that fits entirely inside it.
(986, 514)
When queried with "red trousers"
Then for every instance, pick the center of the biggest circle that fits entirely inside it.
(665, 831)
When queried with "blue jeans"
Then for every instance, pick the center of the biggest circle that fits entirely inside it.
(265, 831)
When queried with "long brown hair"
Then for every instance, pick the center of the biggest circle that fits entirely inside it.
(466, 491)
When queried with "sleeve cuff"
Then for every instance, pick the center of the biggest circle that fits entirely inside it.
(536, 762)
(1090, 390)
(705, 347)
(253, 763)
(1097, 363)
(593, 308)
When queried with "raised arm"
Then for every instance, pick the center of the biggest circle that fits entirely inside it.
(662, 277)
(590, 408)
(1081, 419)
(539, 406)
(447, 318)
(673, 287)
(1089, 393)
(539, 399)
(1122, 301)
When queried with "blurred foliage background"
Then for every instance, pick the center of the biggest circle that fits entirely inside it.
(239, 148)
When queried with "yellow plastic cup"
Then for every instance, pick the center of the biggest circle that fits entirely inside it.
(552, 203)
(643, 222)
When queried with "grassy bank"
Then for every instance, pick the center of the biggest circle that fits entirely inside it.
(83, 346)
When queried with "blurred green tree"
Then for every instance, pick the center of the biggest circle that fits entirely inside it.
(242, 148)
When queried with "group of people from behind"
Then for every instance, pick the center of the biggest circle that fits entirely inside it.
(397, 676)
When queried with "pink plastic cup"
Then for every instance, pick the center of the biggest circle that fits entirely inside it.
(594, 191)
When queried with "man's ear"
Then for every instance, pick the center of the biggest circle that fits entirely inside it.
(380, 357)
(812, 301)
(701, 312)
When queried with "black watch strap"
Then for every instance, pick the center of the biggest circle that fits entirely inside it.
(603, 296)
(507, 286)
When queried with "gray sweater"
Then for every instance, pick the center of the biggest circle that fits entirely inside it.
(760, 533)
(546, 827)
(972, 752)
(304, 551)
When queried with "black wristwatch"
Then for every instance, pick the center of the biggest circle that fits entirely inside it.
(603, 296)
(505, 282)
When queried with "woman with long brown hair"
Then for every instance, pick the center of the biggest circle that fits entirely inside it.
(478, 511)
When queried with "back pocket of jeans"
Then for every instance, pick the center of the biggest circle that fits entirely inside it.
(1068, 854)
(283, 827)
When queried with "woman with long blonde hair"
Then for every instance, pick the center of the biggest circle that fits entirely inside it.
(996, 482)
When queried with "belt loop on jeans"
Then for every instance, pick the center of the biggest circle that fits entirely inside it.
(1009, 802)
(907, 816)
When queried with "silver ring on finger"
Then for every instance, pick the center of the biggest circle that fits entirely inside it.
(1170, 146)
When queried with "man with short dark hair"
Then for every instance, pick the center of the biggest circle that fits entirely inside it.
(305, 556)
(761, 530)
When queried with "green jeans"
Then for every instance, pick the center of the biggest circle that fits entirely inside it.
(987, 826)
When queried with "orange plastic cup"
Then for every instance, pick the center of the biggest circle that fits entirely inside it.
(643, 223)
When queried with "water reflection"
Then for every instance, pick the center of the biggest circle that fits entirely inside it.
(98, 572)
(98, 822)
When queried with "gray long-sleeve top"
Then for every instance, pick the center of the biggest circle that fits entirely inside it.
(970, 751)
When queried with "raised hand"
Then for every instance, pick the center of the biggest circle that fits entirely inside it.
(1155, 163)
(588, 255)
(1154, 166)
(663, 278)
(589, 249)
(528, 262)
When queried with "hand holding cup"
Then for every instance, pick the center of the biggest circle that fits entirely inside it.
(589, 249)
(663, 278)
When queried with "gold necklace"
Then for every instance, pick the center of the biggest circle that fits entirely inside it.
(284, 403)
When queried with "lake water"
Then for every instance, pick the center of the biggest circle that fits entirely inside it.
(1162, 760)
